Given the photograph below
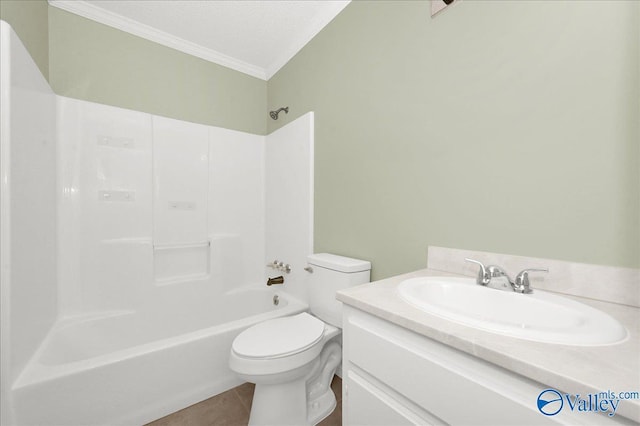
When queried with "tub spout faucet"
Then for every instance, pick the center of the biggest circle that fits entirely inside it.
(275, 280)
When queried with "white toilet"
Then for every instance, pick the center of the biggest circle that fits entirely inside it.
(292, 360)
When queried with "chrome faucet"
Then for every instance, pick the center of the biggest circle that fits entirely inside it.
(493, 276)
(521, 285)
(499, 279)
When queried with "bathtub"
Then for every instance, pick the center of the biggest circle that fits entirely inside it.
(132, 367)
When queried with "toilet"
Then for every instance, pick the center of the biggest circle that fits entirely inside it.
(292, 359)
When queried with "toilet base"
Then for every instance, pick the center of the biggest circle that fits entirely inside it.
(305, 401)
(286, 404)
(279, 404)
(321, 407)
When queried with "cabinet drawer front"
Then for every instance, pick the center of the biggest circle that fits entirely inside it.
(454, 386)
(371, 407)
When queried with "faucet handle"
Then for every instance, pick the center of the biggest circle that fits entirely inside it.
(483, 275)
(521, 285)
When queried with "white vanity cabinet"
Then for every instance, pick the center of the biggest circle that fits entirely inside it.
(394, 376)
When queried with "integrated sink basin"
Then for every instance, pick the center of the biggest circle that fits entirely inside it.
(540, 316)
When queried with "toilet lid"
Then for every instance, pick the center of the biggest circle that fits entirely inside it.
(279, 337)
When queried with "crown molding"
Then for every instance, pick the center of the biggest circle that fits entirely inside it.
(89, 11)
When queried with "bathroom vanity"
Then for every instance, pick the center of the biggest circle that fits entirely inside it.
(402, 365)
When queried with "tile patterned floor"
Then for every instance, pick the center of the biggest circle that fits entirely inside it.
(231, 408)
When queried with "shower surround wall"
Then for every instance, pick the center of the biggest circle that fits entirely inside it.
(142, 198)
(148, 202)
(105, 244)
(126, 312)
(28, 294)
(289, 200)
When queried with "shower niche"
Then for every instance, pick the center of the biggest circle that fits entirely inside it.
(179, 262)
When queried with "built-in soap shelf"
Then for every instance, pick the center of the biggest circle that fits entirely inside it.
(106, 195)
(127, 241)
(179, 262)
(174, 246)
(116, 142)
(182, 205)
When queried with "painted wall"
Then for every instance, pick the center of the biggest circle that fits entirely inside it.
(86, 60)
(497, 126)
(29, 19)
(94, 62)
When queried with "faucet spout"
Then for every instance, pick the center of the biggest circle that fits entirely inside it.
(495, 277)
(492, 276)
(499, 279)
(275, 280)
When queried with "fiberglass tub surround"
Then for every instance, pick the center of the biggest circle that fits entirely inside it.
(145, 201)
(113, 374)
(164, 228)
(28, 292)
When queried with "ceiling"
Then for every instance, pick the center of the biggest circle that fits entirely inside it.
(256, 37)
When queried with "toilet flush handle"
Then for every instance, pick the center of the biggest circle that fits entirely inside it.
(309, 269)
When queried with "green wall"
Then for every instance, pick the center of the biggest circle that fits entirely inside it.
(500, 126)
(87, 60)
(101, 64)
(29, 19)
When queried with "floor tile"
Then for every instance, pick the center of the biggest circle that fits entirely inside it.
(232, 408)
(336, 385)
(245, 393)
(225, 409)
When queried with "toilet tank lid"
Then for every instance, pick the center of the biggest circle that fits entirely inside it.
(338, 263)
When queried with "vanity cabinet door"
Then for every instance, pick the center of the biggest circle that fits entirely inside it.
(370, 406)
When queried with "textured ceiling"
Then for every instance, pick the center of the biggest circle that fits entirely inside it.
(264, 34)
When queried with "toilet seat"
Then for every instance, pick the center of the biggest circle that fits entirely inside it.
(279, 337)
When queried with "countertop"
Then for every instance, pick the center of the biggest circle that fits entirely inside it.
(571, 369)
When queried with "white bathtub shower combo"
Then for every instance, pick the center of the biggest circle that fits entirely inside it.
(134, 249)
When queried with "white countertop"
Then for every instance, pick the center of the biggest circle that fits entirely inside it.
(571, 369)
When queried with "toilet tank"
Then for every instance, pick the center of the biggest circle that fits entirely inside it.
(330, 274)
